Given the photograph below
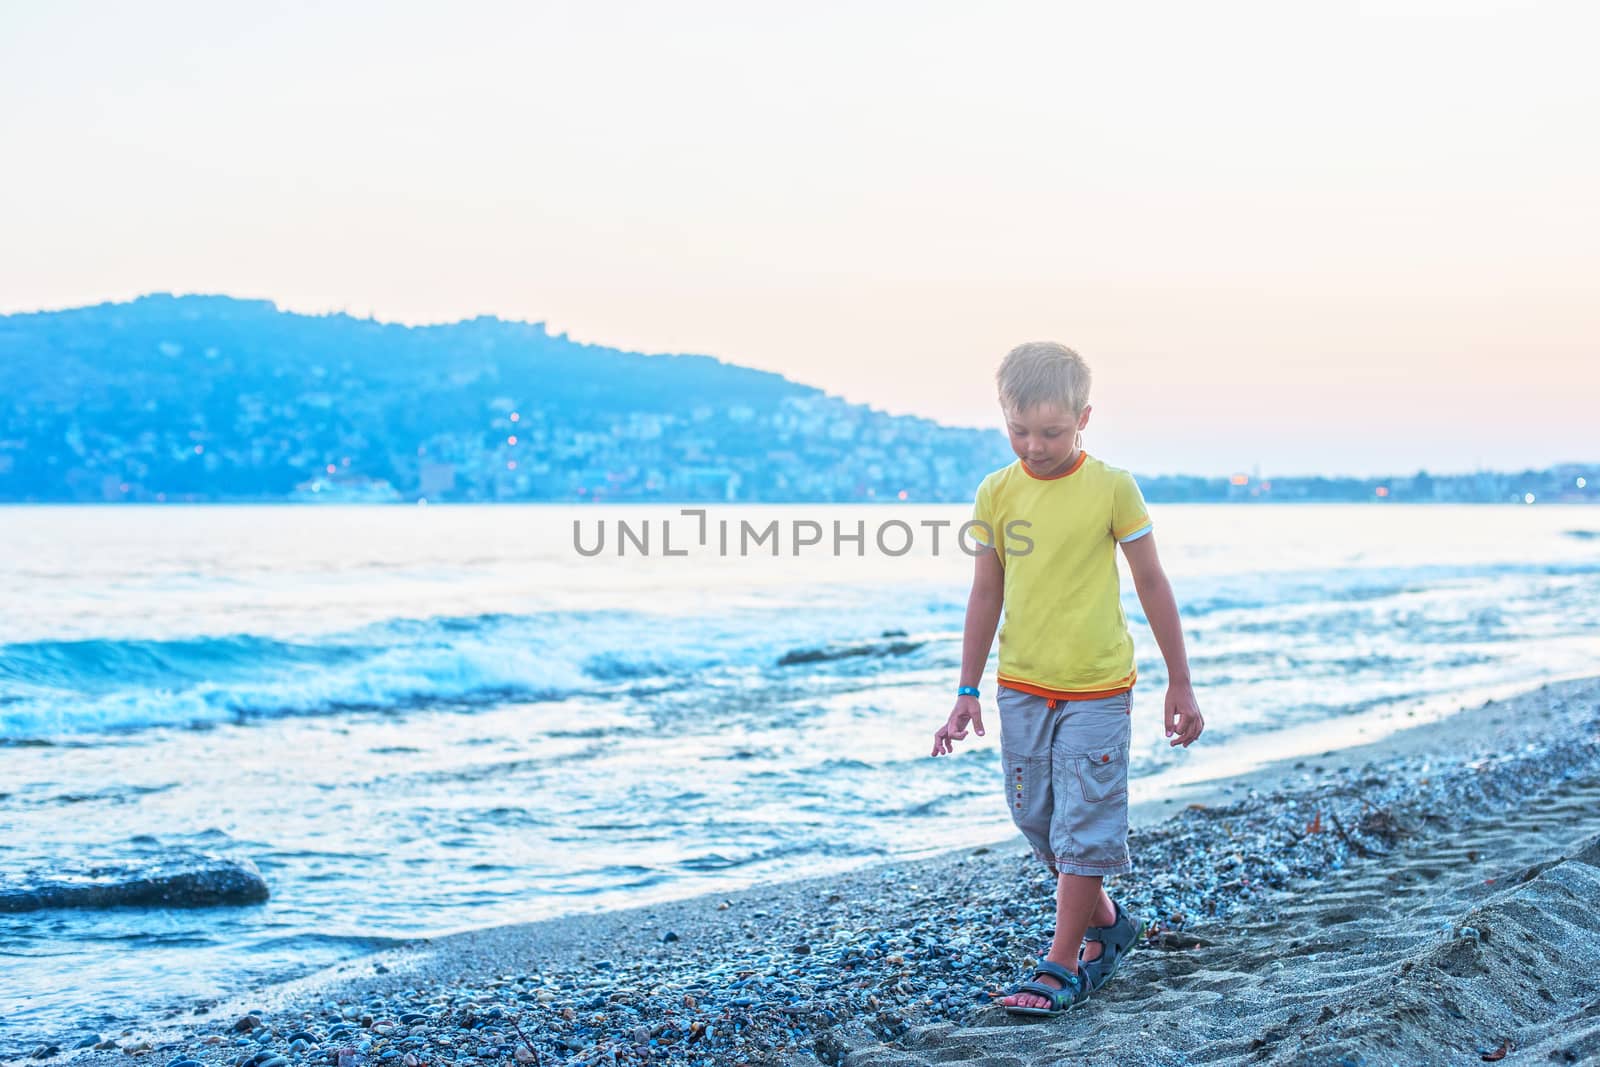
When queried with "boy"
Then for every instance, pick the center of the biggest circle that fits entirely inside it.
(1066, 660)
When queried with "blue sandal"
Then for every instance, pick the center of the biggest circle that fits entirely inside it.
(1073, 991)
(1116, 941)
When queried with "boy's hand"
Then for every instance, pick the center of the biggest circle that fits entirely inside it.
(1183, 714)
(967, 710)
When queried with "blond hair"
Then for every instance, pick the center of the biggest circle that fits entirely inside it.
(1043, 372)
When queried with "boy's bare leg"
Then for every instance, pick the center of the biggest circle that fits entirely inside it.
(1079, 898)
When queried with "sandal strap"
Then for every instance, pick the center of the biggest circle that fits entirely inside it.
(1051, 993)
(1072, 983)
(1055, 970)
(1099, 933)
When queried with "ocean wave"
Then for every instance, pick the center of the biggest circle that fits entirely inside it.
(363, 942)
(635, 666)
(53, 689)
(91, 666)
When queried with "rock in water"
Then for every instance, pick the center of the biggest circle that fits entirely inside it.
(184, 882)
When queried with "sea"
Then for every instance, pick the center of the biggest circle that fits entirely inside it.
(418, 720)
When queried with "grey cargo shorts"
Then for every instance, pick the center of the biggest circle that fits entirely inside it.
(1066, 764)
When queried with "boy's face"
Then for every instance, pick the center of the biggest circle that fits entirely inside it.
(1045, 436)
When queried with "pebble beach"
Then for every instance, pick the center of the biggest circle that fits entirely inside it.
(1423, 899)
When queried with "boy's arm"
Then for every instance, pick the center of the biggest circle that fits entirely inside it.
(1183, 719)
(977, 637)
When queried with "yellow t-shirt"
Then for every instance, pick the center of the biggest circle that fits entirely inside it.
(1064, 634)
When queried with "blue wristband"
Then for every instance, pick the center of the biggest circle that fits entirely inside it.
(967, 691)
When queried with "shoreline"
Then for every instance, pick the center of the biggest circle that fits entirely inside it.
(890, 963)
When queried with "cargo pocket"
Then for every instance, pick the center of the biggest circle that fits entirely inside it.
(1103, 774)
(1028, 796)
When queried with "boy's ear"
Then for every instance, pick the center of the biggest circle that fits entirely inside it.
(1083, 416)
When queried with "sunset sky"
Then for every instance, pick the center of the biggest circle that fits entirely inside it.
(1340, 237)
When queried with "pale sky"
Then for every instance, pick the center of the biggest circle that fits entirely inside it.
(1337, 237)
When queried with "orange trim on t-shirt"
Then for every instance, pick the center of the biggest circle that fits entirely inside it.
(1062, 694)
(1082, 455)
(1120, 534)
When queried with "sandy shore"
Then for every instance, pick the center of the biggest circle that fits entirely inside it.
(1424, 899)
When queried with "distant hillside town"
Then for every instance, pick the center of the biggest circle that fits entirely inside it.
(214, 399)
